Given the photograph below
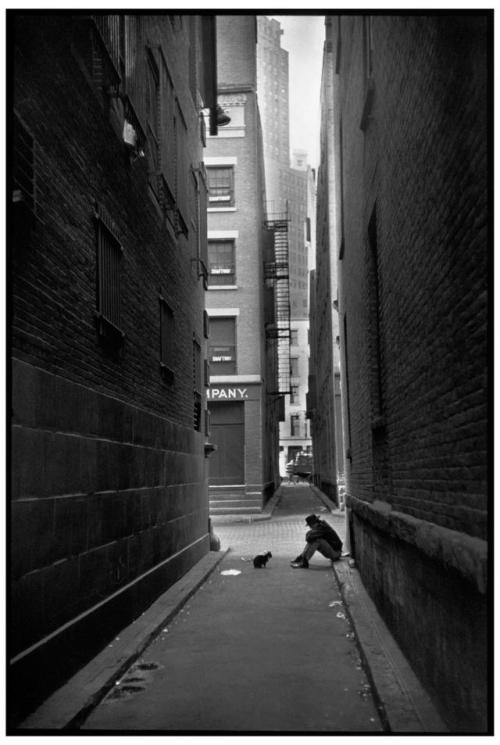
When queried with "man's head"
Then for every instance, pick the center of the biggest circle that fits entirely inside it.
(312, 520)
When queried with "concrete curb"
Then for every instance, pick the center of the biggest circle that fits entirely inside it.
(405, 703)
(70, 705)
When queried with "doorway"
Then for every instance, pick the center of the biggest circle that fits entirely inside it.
(227, 425)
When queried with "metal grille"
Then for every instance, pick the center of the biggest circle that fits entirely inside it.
(109, 253)
(196, 385)
(111, 31)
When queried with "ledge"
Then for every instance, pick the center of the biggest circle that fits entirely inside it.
(465, 554)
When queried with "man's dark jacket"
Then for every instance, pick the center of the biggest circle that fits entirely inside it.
(321, 529)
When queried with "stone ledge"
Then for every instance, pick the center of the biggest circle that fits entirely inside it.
(465, 554)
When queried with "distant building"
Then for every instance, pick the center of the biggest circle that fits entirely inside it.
(323, 400)
(243, 404)
(290, 187)
(272, 85)
(107, 253)
(410, 211)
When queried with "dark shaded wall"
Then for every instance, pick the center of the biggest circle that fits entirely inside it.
(324, 360)
(413, 264)
(108, 476)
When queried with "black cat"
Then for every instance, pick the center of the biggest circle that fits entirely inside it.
(261, 560)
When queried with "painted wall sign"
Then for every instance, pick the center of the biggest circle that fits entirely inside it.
(225, 393)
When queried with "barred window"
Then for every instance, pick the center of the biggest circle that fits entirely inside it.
(221, 264)
(196, 386)
(153, 121)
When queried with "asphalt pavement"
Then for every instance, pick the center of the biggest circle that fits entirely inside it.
(234, 649)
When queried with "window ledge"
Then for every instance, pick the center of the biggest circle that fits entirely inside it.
(222, 287)
(221, 209)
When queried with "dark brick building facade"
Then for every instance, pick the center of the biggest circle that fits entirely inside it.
(410, 97)
(107, 246)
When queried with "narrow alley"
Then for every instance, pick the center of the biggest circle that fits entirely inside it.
(250, 282)
(271, 650)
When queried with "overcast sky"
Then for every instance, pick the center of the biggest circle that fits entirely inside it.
(303, 39)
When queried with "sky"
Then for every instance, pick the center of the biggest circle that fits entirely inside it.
(303, 39)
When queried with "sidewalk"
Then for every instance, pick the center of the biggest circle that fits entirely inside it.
(274, 650)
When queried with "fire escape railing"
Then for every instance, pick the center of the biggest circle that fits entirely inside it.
(276, 274)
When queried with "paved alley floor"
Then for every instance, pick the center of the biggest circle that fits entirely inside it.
(268, 650)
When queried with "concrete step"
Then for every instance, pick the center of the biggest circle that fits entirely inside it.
(229, 497)
(235, 510)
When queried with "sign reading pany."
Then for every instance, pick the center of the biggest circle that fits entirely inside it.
(225, 393)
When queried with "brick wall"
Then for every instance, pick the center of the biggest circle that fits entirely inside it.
(108, 477)
(236, 66)
(425, 169)
(414, 281)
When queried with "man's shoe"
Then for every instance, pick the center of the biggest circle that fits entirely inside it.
(300, 563)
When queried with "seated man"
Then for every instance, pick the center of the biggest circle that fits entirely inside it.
(321, 537)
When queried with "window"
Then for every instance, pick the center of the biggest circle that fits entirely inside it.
(341, 188)
(221, 267)
(196, 386)
(294, 337)
(220, 186)
(348, 399)
(109, 256)
(181, 139)
(368, 72)
(375, 345)
(153, 122)
(167, 337)
(294, 367)
(295, 425)
(222, 346)
(367, 46)
(294, 394)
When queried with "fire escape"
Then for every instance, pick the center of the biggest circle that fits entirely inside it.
(276, 275)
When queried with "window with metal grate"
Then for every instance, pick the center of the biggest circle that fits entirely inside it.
(196, 385)
(167, 338)
(108, 262)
